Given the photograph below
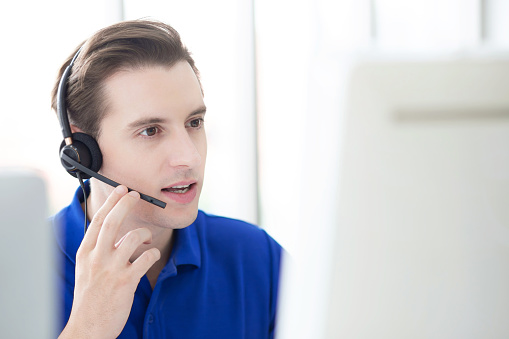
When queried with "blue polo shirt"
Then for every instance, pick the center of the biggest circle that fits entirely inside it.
(220, 281)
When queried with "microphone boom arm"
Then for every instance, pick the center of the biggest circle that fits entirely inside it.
(110, 182)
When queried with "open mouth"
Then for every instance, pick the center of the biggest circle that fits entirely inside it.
(181, 192)
(178, 189)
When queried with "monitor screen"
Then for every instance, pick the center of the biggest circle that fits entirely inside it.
(27, 297)
(420, 222)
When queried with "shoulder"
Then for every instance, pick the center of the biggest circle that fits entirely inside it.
(226, 230)
(59, 222)
(238, 239)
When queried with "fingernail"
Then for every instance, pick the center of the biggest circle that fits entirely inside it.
(134, 194)
(120, 189)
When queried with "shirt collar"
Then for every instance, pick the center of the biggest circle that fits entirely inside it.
(186, 248)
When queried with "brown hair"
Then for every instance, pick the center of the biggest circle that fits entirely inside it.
(127, 45)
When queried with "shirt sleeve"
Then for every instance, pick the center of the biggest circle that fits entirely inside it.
(275, 265)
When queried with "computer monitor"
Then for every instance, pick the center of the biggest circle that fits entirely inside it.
(420, 241)
(27, 297)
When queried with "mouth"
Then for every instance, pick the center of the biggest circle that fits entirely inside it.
(178, 189)
(181, 193)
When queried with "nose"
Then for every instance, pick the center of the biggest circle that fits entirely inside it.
(183, 152)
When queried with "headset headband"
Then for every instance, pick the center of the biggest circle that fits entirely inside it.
(61, 102)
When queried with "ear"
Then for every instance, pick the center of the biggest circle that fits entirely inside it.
(75, 129)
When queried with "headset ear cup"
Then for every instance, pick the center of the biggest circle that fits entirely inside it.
(85, 150)
(92, 146)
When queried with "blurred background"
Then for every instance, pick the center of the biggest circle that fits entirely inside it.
(276, 76)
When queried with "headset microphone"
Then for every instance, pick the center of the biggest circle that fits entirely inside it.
(79, 152)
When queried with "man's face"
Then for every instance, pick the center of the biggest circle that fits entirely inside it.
(153, 140)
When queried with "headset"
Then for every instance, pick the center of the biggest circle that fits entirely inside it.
(79, 152)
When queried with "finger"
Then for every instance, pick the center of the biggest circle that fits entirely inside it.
(130, 242)
(94, 228)
(120, 240)
(112, 221)
(143, 263)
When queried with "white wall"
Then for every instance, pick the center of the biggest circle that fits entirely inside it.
(304, 49)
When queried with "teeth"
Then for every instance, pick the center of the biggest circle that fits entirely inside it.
(177, 187)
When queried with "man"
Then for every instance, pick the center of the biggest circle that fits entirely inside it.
(141, 271)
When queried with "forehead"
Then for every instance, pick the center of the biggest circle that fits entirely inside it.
(152, 90)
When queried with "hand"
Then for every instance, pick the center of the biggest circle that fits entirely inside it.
(105, 278)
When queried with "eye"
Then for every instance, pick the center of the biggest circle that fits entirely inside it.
(196, 123)
(149, 132)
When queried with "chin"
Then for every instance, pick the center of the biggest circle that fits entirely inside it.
(182, 220)
(169, 217)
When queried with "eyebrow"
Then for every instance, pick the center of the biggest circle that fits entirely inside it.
(199, 111)
(157, 120)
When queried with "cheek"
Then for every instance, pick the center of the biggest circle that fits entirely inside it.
(201, 146)
(119, 161)
(204, 154)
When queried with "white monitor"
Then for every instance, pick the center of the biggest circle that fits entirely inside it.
(420, 247)
(27, 297)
